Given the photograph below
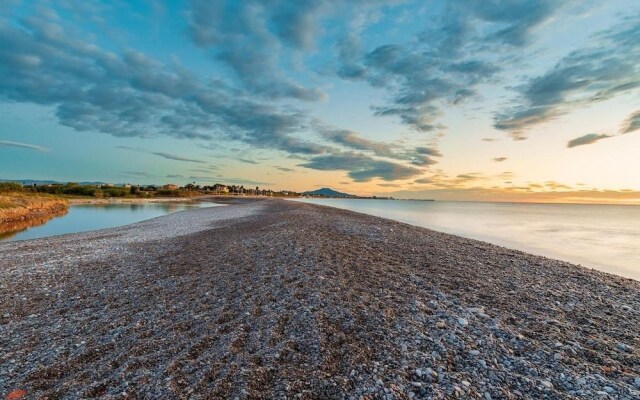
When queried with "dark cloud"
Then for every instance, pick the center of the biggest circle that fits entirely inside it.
(500, 159)
(632, 123)
(362, 168)
(6, 143)
(174, 176)
(284, 169)
(246, 161)
(607, 68)
(586, 139)
(423, 180)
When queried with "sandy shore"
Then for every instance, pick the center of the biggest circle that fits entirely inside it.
(277, 299)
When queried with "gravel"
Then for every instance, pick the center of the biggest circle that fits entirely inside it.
(277, 299)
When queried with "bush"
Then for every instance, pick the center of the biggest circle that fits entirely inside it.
(10, 187)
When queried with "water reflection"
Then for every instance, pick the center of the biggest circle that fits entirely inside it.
(12, 228)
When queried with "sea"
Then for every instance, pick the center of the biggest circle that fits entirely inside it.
(603, 237)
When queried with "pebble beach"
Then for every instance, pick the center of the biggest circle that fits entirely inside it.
(275, 299)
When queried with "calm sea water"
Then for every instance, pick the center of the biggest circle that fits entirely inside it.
(605, 237)
(82, 218)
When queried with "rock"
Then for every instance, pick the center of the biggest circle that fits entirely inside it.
(623, 347)
(547, 384)
(463, 321)
(474, 352)
(637, 381)
(557, 356)
(440, 325)
(16, 394)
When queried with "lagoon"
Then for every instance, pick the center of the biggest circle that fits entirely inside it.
(89, 217)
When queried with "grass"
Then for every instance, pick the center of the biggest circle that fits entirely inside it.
(22, 203)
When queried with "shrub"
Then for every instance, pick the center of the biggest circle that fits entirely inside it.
(10, 187)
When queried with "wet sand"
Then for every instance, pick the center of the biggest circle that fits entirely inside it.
(279, 299)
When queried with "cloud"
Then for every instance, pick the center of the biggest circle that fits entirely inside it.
(423, 180)
(354, 141)
(428, 151)
(489, 140)
(500, 159)
(586, 139)
(139, 174)
(605, 69)
(361, 168)
(284, 169)
(251, 37)
(130, 94)
(444, 64)
(174, 176)
(632, 123)
(423, 160)
(177, 158)
(244, 160)
(6, 143)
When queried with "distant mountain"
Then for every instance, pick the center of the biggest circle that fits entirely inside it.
(328, 193)
(30, 182)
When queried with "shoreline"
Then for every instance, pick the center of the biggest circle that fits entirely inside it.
(275, 298)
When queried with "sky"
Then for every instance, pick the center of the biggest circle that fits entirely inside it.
(450, 100)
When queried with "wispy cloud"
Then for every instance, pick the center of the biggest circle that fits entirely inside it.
(605, 69)
(163, 155)
(176, 158)
(586, 139)
(6, 143)
(632, 123)
(500, 159)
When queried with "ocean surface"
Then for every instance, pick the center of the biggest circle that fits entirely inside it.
(604, 237)
(89, 217)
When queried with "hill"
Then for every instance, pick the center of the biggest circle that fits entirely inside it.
(327, 192)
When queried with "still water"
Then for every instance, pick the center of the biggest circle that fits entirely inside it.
(89, 217)
(605, 237)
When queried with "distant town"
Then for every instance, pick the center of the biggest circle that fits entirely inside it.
(109, 190)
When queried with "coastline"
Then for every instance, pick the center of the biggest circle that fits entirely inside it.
(275, 298)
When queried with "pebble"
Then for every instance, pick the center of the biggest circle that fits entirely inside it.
(547, 384)
(463, 321)
(474, 352)
(440, 325)
(623, 347)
